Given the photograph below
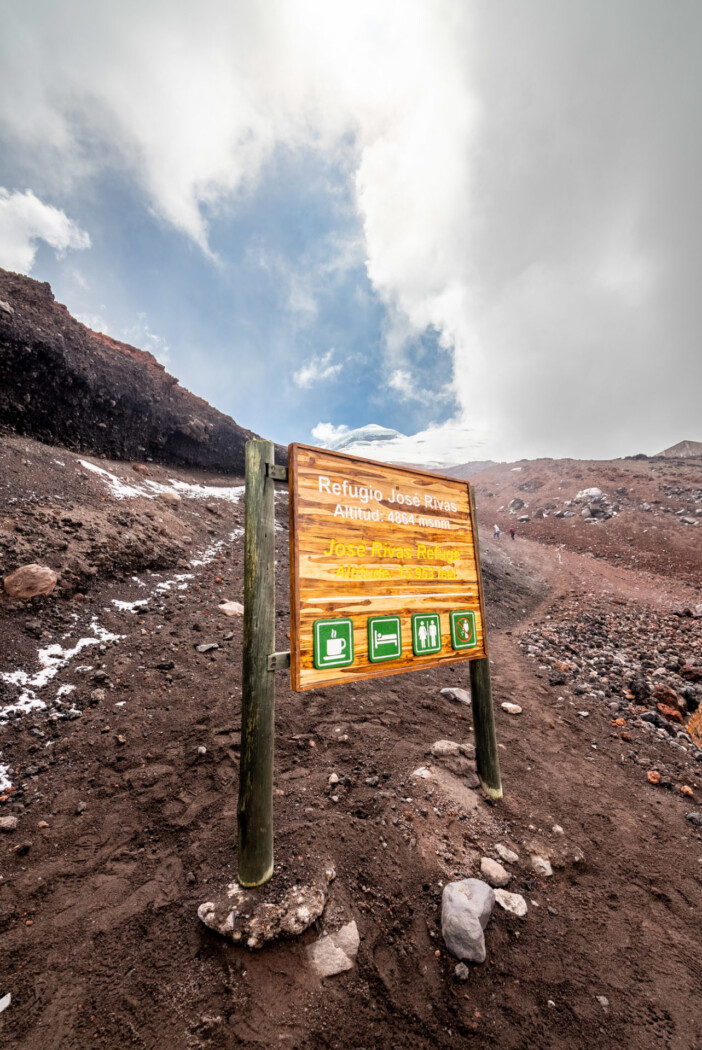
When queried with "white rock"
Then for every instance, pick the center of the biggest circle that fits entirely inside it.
(540, 865)
(493, 872)
(557, 830)
(453, 693)
(465, 910)
(336, 952)
(232, 608)
(602, 1000)
(511, 902)
(5, 1002)
(422, 773)
(511, 709)
(8, 823)
(333, 778)
(506, 854)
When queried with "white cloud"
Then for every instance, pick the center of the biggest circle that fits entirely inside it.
(489, 165)
(328, 434)
(317, 370)
(24, 220)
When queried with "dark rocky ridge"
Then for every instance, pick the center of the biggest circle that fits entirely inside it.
(66, 385)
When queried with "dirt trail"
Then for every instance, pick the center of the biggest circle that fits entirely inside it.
(98, 926)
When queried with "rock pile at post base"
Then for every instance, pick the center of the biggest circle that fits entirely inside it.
(253, 917)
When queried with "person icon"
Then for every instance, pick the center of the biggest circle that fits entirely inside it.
(496, 531)
(422, 632)
(432, 633)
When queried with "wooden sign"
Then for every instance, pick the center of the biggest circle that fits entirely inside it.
(384, 573)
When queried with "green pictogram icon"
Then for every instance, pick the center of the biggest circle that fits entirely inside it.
(333, 643)
(463, 633)
(384, 638)
(426, 633)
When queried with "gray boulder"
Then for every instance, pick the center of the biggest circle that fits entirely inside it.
(465, 909)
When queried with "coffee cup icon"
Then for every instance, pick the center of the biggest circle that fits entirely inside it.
(335, 647)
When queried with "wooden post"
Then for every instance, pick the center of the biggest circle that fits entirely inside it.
(255, 806)
(486, 755)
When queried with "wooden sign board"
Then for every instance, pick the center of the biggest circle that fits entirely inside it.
(384, 573)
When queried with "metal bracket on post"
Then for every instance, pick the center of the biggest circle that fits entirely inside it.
(276, 471)
(279, 661)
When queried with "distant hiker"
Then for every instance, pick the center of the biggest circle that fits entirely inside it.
(512, 531)
(496, 531)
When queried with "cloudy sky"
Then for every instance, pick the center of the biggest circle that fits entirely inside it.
(474, 221)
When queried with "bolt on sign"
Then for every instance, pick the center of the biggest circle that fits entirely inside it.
(383, 570)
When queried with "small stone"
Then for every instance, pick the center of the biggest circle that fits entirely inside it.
(506, 854)
(81, 808)
(372, 781)
(97, 696)
(550, 1002)
(190, 878)
(602, 1000)
(333, 778)
(541, 865)
(653, 776)
(511, 709)
(43, 824)
(694, 818)
(511, 902)
(493, 872)
(8, 823)
(557, 830)
(461, 973)
(6, 999)
(207, 647)
(121, 739)
(202, 750)
(231, 608)
(336, 952)
(170, 497)
(460, 695)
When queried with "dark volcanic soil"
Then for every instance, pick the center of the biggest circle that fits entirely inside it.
(125, 826)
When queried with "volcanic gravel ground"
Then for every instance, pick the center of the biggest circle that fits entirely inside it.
(125, 824)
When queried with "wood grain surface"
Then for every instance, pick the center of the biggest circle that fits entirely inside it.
(370, 539)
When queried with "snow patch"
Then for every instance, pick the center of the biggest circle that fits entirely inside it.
(51, 661)
(122, 489)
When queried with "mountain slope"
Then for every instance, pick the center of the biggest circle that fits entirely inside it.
(66, 385)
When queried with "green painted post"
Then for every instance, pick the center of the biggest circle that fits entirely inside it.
(487, 758)
(255, 806)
